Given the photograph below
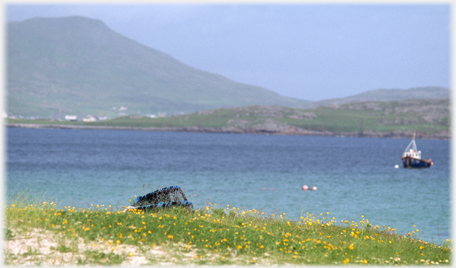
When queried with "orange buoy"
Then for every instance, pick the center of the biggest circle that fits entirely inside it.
(305, 187)
(314, 188)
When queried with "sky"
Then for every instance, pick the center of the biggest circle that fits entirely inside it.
(305, 51)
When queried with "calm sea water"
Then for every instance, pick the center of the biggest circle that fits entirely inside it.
(355, 176)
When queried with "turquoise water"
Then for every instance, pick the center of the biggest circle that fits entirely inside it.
(355, 177)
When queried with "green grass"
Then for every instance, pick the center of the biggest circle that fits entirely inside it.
(215, 236)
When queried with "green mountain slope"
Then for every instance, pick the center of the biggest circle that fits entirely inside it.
(76, 65)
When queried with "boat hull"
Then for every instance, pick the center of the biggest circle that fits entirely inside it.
(410, 162)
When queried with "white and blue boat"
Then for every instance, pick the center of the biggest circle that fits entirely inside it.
(411, 157)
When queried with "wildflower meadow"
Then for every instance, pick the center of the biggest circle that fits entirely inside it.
(211, 235)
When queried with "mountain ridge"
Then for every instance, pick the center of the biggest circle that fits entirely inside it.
(388, 94)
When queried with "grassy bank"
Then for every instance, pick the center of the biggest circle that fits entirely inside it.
(41, 234)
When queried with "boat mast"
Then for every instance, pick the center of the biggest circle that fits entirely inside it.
(412, 144)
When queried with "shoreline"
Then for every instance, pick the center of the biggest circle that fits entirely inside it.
(292, 131)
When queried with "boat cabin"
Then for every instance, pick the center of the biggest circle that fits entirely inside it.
(412, 153)
(411, 150)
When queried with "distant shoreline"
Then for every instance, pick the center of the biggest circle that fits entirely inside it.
(444, 135)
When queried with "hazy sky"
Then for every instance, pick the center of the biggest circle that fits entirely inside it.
(304, 51)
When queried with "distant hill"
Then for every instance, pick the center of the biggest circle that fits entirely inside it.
(76, 65)
(388, 95)
(394, 119)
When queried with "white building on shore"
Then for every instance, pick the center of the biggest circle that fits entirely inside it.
(71, 117)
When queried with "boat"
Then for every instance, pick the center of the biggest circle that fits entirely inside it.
(411, 157)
